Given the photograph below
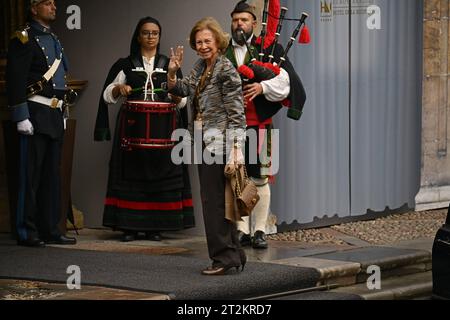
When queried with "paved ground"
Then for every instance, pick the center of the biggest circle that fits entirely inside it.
(400, 244)
(401, 227)
(33, 290)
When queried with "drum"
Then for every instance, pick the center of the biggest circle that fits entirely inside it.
(148, 125)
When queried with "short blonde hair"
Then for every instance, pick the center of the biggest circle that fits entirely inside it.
(211, 24)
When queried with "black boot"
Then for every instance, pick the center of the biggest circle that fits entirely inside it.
(259, 240)
(61, 240)
(31, 242)
(128, 236)
(244, 239)
(153, 236)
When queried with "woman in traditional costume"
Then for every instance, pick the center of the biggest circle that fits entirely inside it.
(146, 191)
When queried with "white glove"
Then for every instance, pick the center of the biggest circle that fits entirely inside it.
(25, 127)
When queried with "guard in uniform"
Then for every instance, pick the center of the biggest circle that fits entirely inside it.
(263, 100)
(36, 86)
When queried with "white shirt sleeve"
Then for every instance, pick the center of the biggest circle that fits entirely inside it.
(277, 89)
(107, 94)
(182, 103)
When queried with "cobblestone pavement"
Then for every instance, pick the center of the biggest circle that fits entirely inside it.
(312, 236)
(407, 226)
(33, 290)
(26, 290)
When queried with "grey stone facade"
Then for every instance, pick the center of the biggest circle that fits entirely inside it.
(435, 175)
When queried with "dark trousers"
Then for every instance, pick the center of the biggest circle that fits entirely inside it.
(221, 234)
(39, 196)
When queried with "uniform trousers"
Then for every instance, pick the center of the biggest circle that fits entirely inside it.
(39, 196)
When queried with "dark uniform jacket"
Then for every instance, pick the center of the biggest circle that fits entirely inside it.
(29, 58)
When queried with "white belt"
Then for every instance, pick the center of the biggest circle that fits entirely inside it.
(53, 103)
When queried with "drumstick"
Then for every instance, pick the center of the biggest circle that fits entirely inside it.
(142, 88)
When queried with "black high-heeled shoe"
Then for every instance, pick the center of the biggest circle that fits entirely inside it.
(214, 271)
(243, 257)
(218, 271)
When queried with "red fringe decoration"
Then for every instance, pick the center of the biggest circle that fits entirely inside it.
(272, 180)
(286, 103)
(267, 65)
(305, 37)
(270, 66)
(272, 23)
(246, 72)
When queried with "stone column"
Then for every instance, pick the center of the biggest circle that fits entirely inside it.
(435, 175)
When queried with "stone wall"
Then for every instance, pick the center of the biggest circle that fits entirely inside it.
(435, 181)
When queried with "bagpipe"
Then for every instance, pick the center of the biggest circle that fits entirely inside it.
(258, 70)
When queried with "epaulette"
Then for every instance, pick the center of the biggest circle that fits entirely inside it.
(22, 35)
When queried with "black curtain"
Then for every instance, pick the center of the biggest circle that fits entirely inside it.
(12, 16)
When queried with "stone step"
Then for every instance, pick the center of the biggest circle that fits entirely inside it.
(349, 267)
(408, 287)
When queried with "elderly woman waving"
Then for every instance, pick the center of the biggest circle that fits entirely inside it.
(216, 100)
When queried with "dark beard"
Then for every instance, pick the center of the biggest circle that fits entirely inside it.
(240, 37)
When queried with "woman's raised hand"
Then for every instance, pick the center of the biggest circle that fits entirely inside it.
(176, 60)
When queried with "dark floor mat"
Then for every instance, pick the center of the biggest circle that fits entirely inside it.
(174, 275)
(321, 295)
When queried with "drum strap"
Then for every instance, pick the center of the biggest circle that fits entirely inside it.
(162, 62)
